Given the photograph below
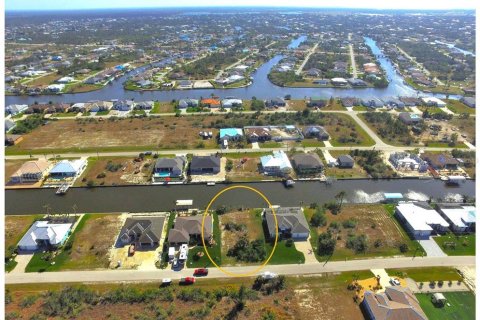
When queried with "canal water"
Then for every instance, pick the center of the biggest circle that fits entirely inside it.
(261, 87)
(162, 198)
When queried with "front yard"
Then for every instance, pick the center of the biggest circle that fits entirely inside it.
(457, 245)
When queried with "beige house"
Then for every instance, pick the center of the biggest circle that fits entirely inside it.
(31, 172)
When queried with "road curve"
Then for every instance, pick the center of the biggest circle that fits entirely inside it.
(291, 269)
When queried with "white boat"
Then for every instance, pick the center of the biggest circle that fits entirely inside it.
(62, 189)
(289, 183)
(210, 183)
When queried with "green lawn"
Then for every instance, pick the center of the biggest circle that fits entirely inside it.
(311, 143)
(435, 144)
(427, 274)
(270, 144)
(463, 245)
(65, 114)
(360, 108)
(460, 306)
(103, 113)
(458, 107)
(214, 251)
(37, 264)
(284, 254)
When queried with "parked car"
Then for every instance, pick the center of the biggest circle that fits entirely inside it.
(268, 275)
(200, 272)
(187, 280)
(394, 282)
(166, 282)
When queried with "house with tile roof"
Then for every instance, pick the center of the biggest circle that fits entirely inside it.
(396, 303)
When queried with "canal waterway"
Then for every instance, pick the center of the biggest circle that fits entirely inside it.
(261, 87)
(162, 198)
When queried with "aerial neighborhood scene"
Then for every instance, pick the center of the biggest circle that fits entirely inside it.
(258, 161)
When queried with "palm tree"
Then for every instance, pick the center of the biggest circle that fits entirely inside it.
(340, 196)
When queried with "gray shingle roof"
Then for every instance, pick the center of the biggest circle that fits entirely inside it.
(291, 218)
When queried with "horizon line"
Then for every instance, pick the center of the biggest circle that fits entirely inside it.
(241, 6)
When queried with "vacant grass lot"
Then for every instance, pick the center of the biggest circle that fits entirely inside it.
(457, 245)
(250, 170)
(250, 220)
(91, 241)
(460, 306)
(121, 134)
(116, 171)
(458, 107)
(384, 234)
(303, 298)
(162, 107)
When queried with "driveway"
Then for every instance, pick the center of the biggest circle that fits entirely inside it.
(306, 248)
(384, 278)
(22, 262)
(432, 248)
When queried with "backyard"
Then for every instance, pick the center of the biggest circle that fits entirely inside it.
(342, 173)
(459, 306)
(245, 169)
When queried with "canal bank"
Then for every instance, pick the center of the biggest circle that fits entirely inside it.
(261, 88)
(162, 198)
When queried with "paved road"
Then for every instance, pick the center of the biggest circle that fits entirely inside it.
(420, 66)
(352, 60)
(299, 70)
(303, 269)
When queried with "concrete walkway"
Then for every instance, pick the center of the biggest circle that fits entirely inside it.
(432, 248)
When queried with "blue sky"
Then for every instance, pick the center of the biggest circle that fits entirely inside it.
(89, 4)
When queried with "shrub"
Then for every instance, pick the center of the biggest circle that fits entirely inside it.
(318, 219)
(357, 243)
(403, 248)
(247, 251)
(326, 244)
(229, 165)
(289, 243)
(349, 224)
(28, 301)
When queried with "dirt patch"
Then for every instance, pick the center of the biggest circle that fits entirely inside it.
(117, 171)
(90, 249)
(164, 133)
(11, 166)
(246, 169)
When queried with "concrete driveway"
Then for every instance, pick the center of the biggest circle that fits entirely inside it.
(306, 248)
(22, 262)
(384, 278)
(431, 248)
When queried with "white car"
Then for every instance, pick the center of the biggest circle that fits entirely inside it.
(394, 282)
(166, 281)
(268, 275)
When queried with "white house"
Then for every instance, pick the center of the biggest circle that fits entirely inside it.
(407, 161)
(461, 218)
(276, 164)
(68, 169)
(65, 80)
(44, 233)
(420, 219)
(432, 101)
(56, 87)
(229, 103)
(14, 109)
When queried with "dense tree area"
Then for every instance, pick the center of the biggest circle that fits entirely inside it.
(325, 63)
(388, 127)
(372, 162)
(248, 251)
(284, 78)
(359, 243)
(207, 67)
(28, 124)
(326, 244)
(427, 114)
(431, 58)
(318, 218)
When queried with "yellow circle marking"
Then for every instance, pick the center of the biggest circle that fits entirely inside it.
(276, 232)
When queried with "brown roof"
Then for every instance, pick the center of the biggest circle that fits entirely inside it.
(33, 167)
(396, 303)
(439, 159)
(190, 226)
